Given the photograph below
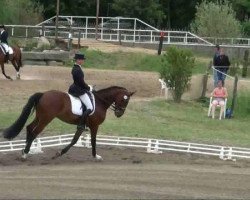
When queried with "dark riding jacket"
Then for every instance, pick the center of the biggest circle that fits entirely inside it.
(79, 87)
(4, 37)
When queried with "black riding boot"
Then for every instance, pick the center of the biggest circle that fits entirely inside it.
(7, 57)
(81, 126)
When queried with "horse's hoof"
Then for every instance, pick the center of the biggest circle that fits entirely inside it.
(57, 155)
(24, 156)
(98, 158)
(17, 76)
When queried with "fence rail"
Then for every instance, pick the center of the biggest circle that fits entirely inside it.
(112, 35)
(142, 36)
(129, 30)
(150, 145)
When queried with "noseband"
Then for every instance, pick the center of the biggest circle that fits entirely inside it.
(114, 107)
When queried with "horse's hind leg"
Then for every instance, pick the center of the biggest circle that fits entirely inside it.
(30, 136)
(14, 63)
(73, 141)
(33, 129)
(3, 71)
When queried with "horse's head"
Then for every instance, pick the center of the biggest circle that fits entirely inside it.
(121, 102)
(116, 97)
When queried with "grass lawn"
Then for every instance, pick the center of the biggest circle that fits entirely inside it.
(186, 121)
(132, 61)
(183, 122)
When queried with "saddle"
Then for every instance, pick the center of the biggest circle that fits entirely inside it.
(78, 107)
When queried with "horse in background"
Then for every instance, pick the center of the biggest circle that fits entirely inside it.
(15, 59)
(55, 104)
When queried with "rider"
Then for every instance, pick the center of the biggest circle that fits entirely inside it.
(4, 41)
(80, 89)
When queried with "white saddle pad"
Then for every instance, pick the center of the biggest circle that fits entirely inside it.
(76, 105)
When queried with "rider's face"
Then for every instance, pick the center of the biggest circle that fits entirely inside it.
(80, 61)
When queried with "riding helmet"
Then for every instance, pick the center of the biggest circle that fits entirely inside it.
(79, 56)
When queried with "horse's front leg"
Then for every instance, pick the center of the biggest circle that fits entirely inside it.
(74, 140)
(93, 143)
(3, 71)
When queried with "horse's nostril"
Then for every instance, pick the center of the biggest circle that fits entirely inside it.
(119, 113)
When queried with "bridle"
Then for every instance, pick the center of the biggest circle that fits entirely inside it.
(112, 107)
(115, 108)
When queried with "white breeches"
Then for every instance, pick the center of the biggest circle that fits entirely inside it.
(85, 99)
(7, 48)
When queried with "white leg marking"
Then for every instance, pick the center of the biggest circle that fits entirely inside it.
(24, 155)
(18, 75)
(97, 157)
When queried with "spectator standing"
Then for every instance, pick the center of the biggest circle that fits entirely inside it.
(216, 55)
(223, 64)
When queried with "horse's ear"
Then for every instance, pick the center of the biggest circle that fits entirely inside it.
(131, 93)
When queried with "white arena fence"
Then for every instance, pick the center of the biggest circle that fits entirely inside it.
(150, 145)
(137, 32)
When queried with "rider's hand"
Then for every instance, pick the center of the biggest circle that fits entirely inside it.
(90, 88)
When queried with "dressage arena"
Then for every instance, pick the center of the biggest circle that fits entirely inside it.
(125, 173)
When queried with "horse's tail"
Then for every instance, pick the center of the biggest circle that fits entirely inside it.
(18, 125)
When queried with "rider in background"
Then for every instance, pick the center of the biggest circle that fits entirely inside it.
(80, 89)
(4, 42)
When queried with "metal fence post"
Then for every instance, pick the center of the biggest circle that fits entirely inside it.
(79, 39)
(234, 93)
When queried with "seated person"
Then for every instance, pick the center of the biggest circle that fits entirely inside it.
(219, 94)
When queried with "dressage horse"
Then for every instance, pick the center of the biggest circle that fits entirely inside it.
(15, 58)
(55, 104)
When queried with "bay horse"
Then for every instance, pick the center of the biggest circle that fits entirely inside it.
(15, 58)
(55, 104)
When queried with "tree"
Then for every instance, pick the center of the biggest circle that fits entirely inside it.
(20, 12)
(242, 9)
(215, 19)
(149, 11)
(75, 8)
(179, 13)
(176, 70)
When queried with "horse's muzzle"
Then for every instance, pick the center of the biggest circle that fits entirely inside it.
(119, 112)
